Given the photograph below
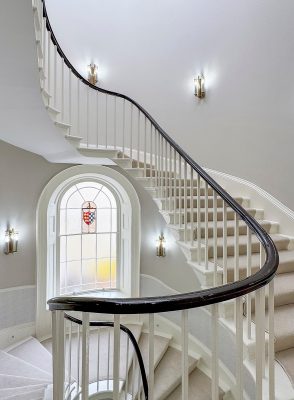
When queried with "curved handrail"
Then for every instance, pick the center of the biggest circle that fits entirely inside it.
(132, 338)
(179, 301)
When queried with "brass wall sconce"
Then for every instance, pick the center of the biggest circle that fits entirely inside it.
(11, 241)
(199, 86)
(160, 249)
(92, 74)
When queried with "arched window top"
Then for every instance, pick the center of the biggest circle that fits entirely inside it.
(88, 191)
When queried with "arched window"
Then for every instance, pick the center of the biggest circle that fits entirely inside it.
(88, 238)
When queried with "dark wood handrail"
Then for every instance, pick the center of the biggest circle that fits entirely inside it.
(132, 339)
(179, 301)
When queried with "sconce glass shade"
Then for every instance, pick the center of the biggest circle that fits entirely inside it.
(199, 86)
(160, 249)
(11, 241)
(92, 73)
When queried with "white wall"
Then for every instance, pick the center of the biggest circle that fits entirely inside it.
(152, 49)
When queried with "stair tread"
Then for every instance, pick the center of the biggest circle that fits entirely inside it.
(199, 388)
(11, 365)
(37, 394)
(284, 290)
(160, 347)
(6, 392)
(284, 327)
(12, 381)
(34, 353)
(168, 374)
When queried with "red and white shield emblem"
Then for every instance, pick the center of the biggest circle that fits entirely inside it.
(89, 217)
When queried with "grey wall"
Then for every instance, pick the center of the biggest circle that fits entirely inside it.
(151, 50)
(23, 176)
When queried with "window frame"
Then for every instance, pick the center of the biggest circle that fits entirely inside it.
(118, 239)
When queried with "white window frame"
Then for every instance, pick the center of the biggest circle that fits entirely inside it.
(118, 235)
(47, 270)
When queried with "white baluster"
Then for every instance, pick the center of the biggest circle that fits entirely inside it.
(185, 204)
(124, 127)
(85, 356)
(249, 296)
(69, 354)
(191, 209)
(78, 108)
(55, 77)
(262, 260)
(108, 359)
(236, 248)
(78, 357)
(165, 175)
(175, 185)
(87, 114)
(145, 145)
(180, 192)
(170, 178)
(239, 347)
(49, 72)
(214, 353)
(127, 369)
(58, 354)
(198, 220)
(185, 360)
(106, 120)
(69, 99)
(116, 356)
(271, 343)
(152, 171)
(62, 64)
(131, 133)
(225, 250)
(138, 156)
(115, 123)
(215, 237)
(206, 223)
(259, 342)
(151, 357)
(98, 358)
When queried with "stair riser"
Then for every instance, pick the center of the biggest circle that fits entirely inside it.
(179, 234)
(175, 219)
(123, 162)
(145, 181)
(140, 173)
(171, 191)
(167, 204)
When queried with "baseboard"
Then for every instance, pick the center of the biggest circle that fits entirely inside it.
(14, 334)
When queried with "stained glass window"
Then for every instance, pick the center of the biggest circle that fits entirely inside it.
(88, 238)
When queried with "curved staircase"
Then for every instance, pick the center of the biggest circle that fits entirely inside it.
(229, 244)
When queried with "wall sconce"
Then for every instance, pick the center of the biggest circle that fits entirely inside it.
(199, 86)
(11, 241)
(160, 248)
(93, 73)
